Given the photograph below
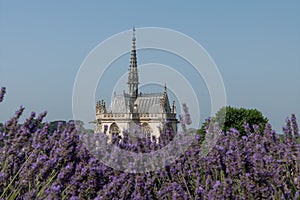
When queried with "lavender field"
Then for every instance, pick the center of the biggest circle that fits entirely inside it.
(38, 164)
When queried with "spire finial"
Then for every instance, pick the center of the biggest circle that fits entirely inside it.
(133, 38)
(165, 90)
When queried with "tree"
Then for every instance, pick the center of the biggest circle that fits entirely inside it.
(230, 117)
(53, 125)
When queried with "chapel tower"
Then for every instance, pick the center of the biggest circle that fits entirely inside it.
(133, 79)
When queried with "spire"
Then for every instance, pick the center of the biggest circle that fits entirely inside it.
(133, 79)
(165, 91)
(165, 100)
(174, 107)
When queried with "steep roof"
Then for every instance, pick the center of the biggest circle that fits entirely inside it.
(119, 104)
(149, 103)
(146, 103)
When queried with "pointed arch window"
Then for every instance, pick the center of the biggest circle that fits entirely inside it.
(146, 129)
(114, 129)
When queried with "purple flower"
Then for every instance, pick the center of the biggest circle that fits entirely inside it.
(187, 116)
(219, 148)
(217, 185)
(197, 137)
(234, 131)
(295, 125)
(255, 128)
(41, 116)
(56, 188)
(2, 93)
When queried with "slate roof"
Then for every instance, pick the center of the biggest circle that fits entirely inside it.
(146, 103)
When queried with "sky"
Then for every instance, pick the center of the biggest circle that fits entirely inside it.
(255, 45)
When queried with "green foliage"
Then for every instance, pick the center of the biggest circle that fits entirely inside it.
(230, 117)
(53, 125)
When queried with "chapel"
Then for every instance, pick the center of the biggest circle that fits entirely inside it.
(149, 112)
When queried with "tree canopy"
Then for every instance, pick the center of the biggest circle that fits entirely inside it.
(231, 117)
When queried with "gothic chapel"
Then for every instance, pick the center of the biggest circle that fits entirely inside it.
(148, 111)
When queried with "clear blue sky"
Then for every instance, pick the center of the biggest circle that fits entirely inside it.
(255, 44)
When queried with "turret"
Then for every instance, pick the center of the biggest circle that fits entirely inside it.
(100, 107)
(174, 108)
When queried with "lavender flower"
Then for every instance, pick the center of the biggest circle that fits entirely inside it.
(2, 93)
(39, 164)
